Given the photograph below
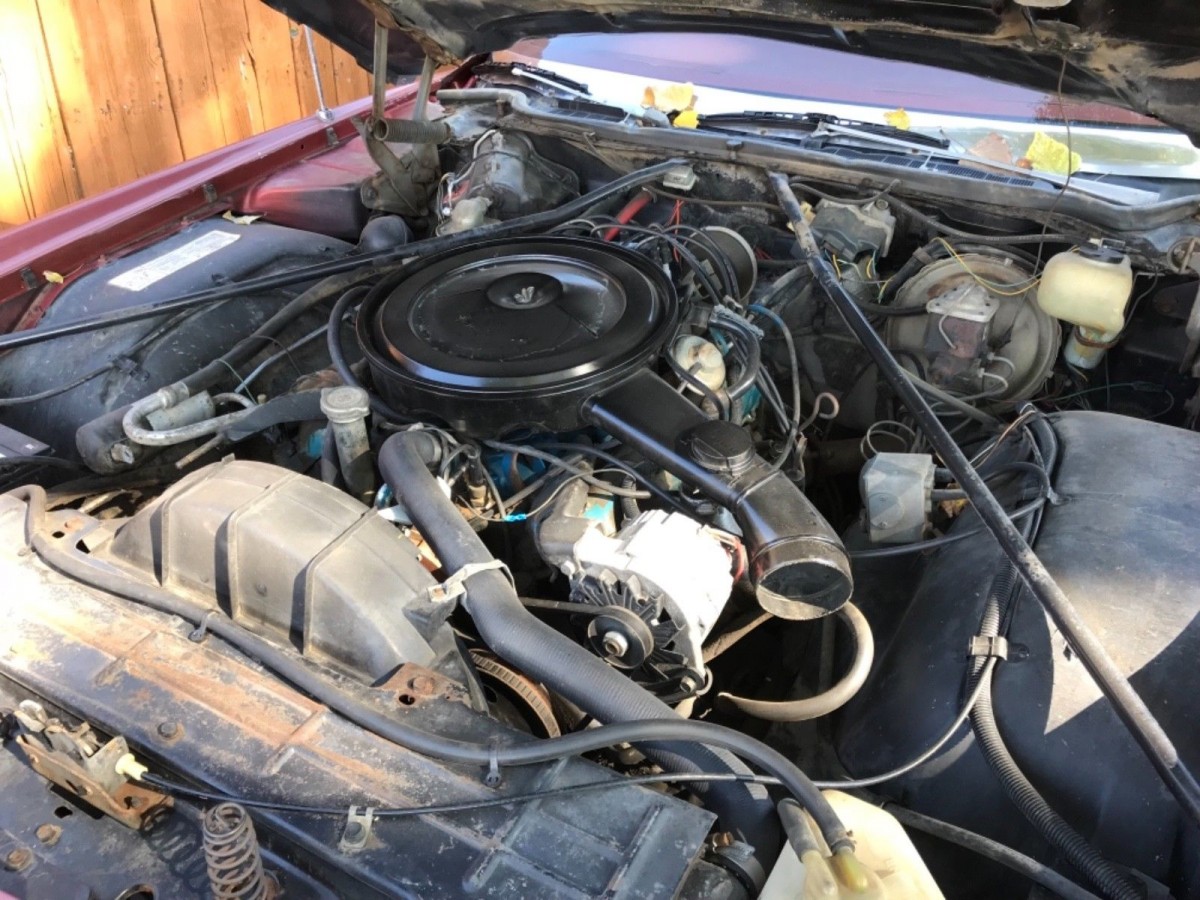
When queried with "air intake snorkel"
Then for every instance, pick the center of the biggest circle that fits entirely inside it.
(797, 564)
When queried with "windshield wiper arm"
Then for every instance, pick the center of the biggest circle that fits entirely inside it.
(543, 77)
(818, 125)
(571, 94)
(823, 130)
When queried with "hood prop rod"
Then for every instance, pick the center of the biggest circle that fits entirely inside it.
(379, 71)
(1129, 707)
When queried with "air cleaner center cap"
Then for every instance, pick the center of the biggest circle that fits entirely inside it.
(524, 290)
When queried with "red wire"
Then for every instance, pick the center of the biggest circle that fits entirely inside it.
(628, 211)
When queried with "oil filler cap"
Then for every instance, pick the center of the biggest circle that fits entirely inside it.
(719, 447)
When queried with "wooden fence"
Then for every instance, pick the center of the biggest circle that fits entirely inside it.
(96, 93)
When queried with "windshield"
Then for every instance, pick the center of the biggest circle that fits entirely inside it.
(979, 116)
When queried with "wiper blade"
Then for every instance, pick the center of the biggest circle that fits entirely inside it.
(543, 77)
(566, 93)
(822, 131)
(820, 126)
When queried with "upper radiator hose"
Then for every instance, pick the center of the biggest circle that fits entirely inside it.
(546, 655)
(798, 565)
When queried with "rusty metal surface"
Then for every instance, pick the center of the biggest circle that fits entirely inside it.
(62, 851)
(130, 670)
(129, 804)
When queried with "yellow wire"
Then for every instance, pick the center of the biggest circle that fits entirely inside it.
(998, 289)
(836, 267)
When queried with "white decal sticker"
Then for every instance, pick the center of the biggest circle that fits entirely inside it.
(169, 263)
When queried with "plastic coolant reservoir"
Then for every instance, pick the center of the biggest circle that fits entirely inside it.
(1090, 289)
(893, 868)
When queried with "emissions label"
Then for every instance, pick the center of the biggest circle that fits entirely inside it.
(169, 263)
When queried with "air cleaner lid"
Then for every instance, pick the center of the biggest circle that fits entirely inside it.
(514, 333)
(521, 313)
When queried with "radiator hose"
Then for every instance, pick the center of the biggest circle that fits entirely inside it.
(544, 654)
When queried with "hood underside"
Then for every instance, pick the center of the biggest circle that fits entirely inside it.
(1107, 50)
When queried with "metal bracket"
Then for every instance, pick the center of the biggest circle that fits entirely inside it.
(357, 829)
(74, 760)
(968, 301)
(494, 777)
(200, 632)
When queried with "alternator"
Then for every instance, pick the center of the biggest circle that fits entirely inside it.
(662, 581)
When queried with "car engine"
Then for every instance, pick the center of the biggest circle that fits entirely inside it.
(605, 520)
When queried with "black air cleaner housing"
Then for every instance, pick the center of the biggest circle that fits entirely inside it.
(514, 333)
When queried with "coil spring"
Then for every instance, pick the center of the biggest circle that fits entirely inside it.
(235, 869)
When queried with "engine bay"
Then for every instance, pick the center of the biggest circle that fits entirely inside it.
(608, 519)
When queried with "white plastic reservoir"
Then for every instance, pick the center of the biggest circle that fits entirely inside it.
(1089, 288)
(893, 868)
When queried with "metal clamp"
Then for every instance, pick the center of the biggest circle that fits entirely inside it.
(200, 632)
(454, 586)
(493, 778)
(988, 646)
(357, 829)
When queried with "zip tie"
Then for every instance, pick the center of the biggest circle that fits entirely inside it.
(454, 586)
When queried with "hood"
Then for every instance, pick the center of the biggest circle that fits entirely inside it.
(1106, 50)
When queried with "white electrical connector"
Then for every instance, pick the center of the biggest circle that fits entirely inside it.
(680, 178)
(128, 767)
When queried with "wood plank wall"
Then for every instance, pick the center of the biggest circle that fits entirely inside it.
(96, 93)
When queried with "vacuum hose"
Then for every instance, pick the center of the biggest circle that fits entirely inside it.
(827, 701)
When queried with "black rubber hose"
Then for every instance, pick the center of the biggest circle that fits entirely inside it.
(1001, 240)
(284, 662)
(95, 439)
(337, 355)
(548, 656)
(1133, 712)
(1098, 871)
(827, 701)
(261, 338)
(382, 261)
(720, 402)
(1035, 871)
(410, 131)
(629, 505)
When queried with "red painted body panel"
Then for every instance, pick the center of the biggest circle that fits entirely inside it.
(71, 240)
(320, 195)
